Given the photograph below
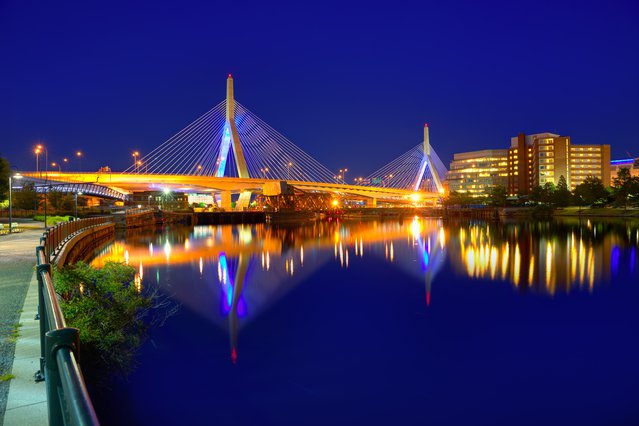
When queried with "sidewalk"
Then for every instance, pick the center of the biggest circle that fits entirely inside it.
(22, 401)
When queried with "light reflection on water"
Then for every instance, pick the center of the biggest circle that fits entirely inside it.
(543, 255)
(246, 268)
(385, 323)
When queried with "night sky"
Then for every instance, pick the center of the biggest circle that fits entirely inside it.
(351, 83)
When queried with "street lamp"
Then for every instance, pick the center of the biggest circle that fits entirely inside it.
(386, 179)
(289, 165)
(343, 173)
(37, 152)
(54, 164)
(16, 176)
(264, 171)
(79, 155)
(38, 149)
(136, 154)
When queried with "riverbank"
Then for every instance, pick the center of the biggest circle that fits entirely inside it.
(541, 212)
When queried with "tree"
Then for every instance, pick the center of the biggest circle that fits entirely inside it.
(625, 187)
(498, 196)
(5, 172)
(458, 198)
(591, 191)
(26, 198)
(543, 194)
(60, 201)
(561, 196)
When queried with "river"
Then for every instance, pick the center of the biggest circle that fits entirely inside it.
(413, 321)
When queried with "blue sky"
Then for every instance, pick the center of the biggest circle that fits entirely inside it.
(349, 82)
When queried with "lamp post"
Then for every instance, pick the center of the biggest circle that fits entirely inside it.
(17, 176)
(135, 154)
(37, 152)
(45, 207)
(264, 171)
(54, 164)
(38, 149)
(342, 172)
(289, 165)
(79, 155)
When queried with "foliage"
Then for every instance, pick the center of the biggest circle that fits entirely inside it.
(107, 308)
(26, 198)
(5, 172)
(7, 377)
(561, 197)
(498, 196)
(51, 220)
(15, 333)
(60, 200)
(590, 192)
(543, 194)
(625, 188)
(459, 198)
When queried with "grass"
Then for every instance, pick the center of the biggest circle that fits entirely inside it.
(51, 220)
(7, 377)
(15, 333)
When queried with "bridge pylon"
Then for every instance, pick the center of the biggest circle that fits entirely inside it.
(427, 162)
(231, 138)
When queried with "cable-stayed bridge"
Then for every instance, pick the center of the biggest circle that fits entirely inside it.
(230, 150)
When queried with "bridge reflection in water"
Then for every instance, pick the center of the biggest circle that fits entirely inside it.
(245, 269)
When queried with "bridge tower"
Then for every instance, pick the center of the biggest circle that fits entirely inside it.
(427, 162)
(231, 138)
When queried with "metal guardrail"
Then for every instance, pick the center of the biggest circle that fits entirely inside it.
(56, 235)
(138, 211)
(68, 400)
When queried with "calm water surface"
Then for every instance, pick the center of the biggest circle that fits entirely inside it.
(397, 322)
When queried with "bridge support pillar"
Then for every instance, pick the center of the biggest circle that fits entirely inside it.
(225, 200)
(244, 201)
(371, 202)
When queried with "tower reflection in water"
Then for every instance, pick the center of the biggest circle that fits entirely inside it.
(244, 269)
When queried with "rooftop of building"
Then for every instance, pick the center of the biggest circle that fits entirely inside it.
(480, 154)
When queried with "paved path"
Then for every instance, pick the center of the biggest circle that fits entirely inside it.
(27, 404)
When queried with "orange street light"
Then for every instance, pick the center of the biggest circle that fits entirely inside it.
(79, 155)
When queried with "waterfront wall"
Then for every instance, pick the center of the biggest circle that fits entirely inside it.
(83, 244)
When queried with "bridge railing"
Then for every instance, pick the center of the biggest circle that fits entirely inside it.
(55, 236)
(68, 401)
(138, 210)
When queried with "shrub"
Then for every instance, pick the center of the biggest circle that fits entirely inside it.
(108, 309)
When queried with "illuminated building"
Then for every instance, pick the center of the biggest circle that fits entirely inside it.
(534, 160)
(589, 160)
(631, 164)
(476, 172)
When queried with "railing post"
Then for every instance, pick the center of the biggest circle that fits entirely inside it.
(55, 340)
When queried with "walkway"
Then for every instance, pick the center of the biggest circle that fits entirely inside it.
(22, 401)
